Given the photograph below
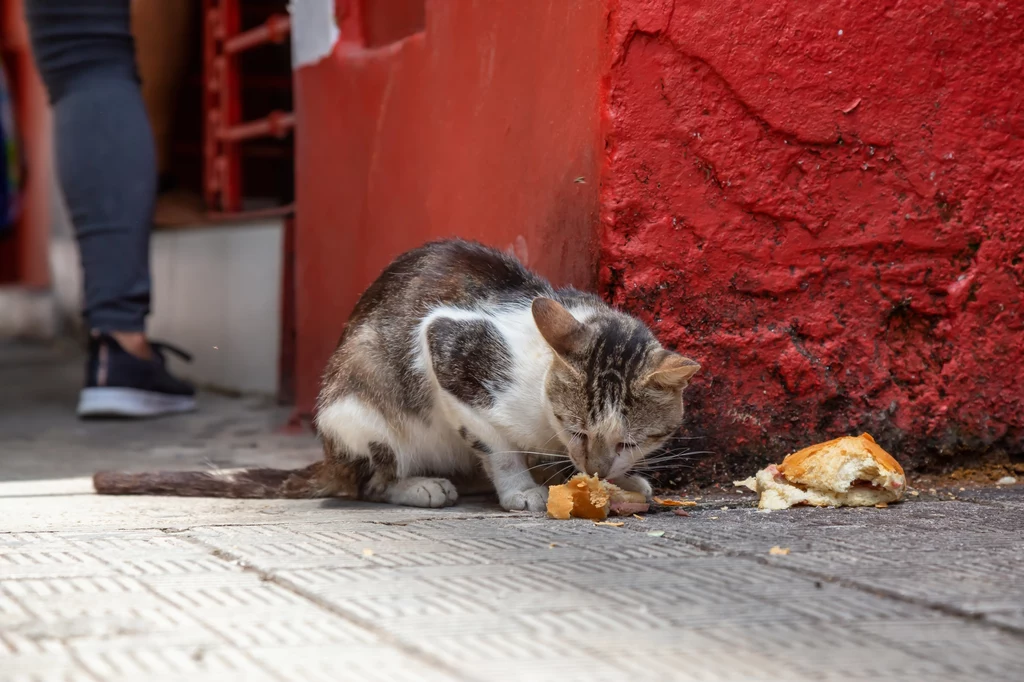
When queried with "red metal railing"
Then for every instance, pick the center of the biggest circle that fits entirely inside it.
(276, 124)
(223, 128)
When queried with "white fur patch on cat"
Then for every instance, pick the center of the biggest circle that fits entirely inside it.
(354, 424)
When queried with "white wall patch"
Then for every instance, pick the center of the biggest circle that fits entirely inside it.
(314, 31)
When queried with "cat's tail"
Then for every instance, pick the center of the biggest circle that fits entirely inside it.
(307, 482)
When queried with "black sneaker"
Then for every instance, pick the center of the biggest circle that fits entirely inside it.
(118, 384)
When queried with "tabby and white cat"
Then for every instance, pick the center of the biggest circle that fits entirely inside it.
(457, 355)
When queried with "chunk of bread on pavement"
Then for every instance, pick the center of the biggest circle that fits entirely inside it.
(588, 497)
(852, 471)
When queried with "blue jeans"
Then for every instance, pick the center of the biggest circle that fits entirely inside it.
(106, 160)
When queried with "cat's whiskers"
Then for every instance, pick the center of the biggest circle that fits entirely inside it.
(675, 458)
(651, 466)
(553, 455)
(557, 433)
(678, 454)
(563, 468)
(546, 465)
(672, 459)
(663, 467)
(541, 466)
(561, 472)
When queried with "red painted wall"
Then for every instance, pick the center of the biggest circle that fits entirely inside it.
(819, 201)
(822, 202)
(484, 125)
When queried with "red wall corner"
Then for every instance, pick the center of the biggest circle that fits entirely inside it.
(822, 204)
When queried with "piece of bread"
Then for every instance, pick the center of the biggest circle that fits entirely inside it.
(846, 472)
(588, 497)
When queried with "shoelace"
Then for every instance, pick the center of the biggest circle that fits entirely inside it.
(159, 347)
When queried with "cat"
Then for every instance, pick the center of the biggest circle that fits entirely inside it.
(458, 357)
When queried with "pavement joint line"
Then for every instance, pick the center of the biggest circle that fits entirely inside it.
(944, 609)
(267, 522)
(386, 637)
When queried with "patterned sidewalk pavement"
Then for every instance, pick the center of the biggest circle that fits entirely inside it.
(113, 588)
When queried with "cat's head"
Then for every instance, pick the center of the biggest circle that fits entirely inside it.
(615, 395)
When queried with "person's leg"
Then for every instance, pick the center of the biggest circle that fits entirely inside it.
(106, 165)
(105, 155)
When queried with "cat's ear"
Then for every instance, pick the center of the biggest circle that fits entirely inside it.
(563, 332)
(673, 371)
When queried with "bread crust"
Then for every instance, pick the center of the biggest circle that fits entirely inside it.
(794, 467)
(588, 497)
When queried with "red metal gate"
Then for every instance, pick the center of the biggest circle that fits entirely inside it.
(224, 131)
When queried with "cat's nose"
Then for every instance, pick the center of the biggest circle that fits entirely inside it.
(596, 467)
(596, 461)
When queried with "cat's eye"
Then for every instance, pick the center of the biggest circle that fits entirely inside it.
(624, 446)
(579, 435)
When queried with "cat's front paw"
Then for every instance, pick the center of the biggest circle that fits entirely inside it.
(532, 499)
(636, 484)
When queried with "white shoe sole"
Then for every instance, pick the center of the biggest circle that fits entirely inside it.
(105, 401)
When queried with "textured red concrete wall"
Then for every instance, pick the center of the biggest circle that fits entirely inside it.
(485, 125)
(822, 202)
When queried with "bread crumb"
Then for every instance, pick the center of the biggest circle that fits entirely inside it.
(1005, 480)
(367, 552)
(725, 509)
(656, 533)
(615, 524)
(680, 512)
(639, 518)
(552, 545)
(914, 493)
(668, 502)
(881, 505)
(714, 518)
(779, 551)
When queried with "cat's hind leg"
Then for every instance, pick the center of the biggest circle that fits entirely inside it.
(356, 444)
(382, 484)
(420, 491)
